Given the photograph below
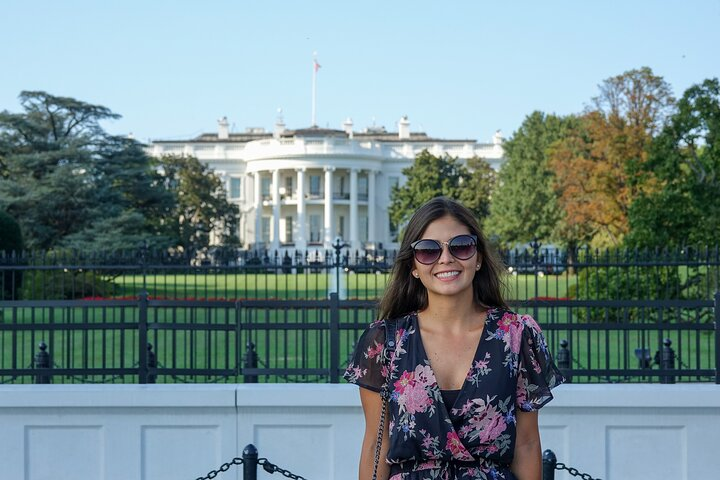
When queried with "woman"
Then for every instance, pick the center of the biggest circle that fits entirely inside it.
(466, 375)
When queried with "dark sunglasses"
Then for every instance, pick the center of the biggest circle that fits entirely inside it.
(428, 251)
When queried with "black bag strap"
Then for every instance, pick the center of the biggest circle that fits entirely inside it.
(388, 350)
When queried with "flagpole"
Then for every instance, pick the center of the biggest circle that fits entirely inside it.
(314, 88)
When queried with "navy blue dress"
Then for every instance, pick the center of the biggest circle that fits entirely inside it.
(474, 438)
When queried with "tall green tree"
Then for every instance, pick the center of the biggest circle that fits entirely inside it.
(431, 176)
(524, 204)
(201, 205)
(683, 208)
(69, 183)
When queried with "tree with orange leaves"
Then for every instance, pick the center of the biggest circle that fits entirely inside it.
(598, 164)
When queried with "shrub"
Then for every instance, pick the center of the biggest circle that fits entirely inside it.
(64, 284)
(10, 243)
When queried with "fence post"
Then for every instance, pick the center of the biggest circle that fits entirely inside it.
(564, 362)
(717, 337)
(334, 337)
(143, 337)
(42, 362)
(549, 461)
(152, 363)
(251, 361)
(667, 361)
(250, 461)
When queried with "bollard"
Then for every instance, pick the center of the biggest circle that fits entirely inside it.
(42, 361)
(549, 461)
(564, 361)
(152, 363)
(251, 361)
(250, 461)
(667, 361)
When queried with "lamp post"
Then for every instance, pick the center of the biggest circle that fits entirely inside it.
(338, 245)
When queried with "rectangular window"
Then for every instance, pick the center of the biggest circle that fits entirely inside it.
(363, 228)
(288, 229)
(341, 226)
(266, 229)
(235, 187)
(265, 188)
(392, 182)
(363, 189)
(315, 229)
(289, 187)
(315, 185)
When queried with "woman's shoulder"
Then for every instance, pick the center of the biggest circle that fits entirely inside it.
(505, 317)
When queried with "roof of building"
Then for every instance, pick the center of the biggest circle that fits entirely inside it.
(372, 133)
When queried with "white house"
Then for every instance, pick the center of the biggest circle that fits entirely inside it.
(300, 189)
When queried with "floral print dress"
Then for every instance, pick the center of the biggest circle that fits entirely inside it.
(475, 437)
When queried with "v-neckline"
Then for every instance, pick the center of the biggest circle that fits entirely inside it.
(426, 357)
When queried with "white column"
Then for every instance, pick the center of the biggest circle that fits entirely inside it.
(276, 209)
(372, 233)
(301, 240)
(354, 241)
(258, 209)
(328, 221)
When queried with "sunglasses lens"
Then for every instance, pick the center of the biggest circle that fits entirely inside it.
(427, 252)
(463, 247)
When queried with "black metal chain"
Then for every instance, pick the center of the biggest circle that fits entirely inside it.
(222, 468)
(574, 471)
(272, 468)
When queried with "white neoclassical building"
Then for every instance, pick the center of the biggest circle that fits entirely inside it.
(301, 189)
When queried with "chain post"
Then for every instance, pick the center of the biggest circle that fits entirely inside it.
(152, 364)
(564, 360)
(42, 362)
(549, 460)
(143, 337)
(667, 361)
(251, 361)
(250, 462)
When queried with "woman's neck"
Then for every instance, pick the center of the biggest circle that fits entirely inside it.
(452, 312)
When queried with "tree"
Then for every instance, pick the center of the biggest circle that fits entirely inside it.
(684, 165)
(431, 176)
(524, 205)
(201, 204)
(598, 164)
(70, 184)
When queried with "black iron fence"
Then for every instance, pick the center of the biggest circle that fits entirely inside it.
(609, 317)
(150, 340)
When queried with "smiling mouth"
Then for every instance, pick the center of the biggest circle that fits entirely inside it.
(444, 275)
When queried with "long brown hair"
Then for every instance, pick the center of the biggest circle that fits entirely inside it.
(405, 293)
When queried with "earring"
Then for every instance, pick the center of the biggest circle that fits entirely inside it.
(477, 267)
(415, 274)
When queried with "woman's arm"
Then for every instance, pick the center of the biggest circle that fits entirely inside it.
(372, 406)
(527, 462)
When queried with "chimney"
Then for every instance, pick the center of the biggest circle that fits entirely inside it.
(404, 128)
(347, 126)
(223, 129)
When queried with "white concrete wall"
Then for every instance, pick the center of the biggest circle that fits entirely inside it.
(129, 432)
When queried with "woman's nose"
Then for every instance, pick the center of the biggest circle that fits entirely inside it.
(445, 255)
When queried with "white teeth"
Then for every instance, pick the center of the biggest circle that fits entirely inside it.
(447, 274)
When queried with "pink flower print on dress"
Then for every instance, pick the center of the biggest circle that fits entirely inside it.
(457, 448)
(488, 423)
(425, 375)
(405, 380)
(414, 399)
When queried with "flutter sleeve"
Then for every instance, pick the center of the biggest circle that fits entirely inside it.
(366, 368)
(537, 373)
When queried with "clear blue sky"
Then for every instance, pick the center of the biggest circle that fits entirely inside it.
(458, 69)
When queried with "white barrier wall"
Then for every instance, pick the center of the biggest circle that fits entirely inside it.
(177, 432)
